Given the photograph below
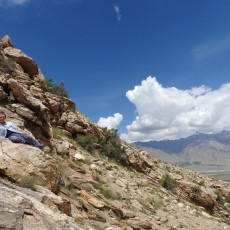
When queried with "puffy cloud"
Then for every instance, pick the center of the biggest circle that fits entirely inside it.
(111, 122)
(118, 12)
(170, 113)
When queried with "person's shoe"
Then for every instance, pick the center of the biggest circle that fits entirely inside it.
(40, 146)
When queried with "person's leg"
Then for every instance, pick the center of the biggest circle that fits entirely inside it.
(31, 140)
(17, 138)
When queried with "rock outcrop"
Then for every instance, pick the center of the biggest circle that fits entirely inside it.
(71, 186)
(40, 168)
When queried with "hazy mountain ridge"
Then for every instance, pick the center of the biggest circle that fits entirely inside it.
(178, 145)
(207, 153)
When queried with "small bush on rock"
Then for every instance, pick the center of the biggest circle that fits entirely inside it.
(109, 146)
(196, 190)
(48, 85)
(28, 182)
(168, 183)
(7, 65)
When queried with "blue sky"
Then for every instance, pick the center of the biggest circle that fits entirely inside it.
(154, 69)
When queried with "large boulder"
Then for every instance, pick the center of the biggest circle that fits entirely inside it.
(27, 165)
(27, 63)
(24, 96)
(23, 209)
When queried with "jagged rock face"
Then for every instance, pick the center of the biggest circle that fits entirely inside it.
(28, 165)
(23, 209)
(6, 42)
(28, 65)
(19, 84)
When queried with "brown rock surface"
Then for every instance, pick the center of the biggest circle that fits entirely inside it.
(28, 165)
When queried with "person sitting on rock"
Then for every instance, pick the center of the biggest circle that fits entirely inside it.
(12, 132)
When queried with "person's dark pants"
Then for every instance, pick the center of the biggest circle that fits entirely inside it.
(25, 139)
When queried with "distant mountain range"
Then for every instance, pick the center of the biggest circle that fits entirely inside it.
(202, 152)
(177, 146)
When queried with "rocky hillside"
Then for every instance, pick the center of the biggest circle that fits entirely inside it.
(208, 153)
(86, 177)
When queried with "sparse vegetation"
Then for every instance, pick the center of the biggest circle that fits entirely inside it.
(28, 182)
(109, 146)
(87, 142)
(106, 191)
(168, 183)
(172, 228)
(196, 190)
(158, 203)
(62, 168)
(48, 85)
(219, 197)
(58, 133)
(227, 199)
(7, 65)
(71, 190)
(81, 161)
(202, 183)
(128, 206)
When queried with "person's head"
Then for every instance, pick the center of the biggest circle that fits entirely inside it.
(2, 116)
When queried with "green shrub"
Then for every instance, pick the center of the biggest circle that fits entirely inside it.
(196, 190)
(168, 183)
(62, 168)
(106, 192)
(28, 182)
(81, 161)
(87, 142)
(7, 65)
(228, 199)
(219, 197)
(48, 85)
(58, 133)
(109, 146)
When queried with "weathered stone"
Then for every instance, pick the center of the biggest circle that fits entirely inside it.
(24, 96)
(28, 64)
(205, 200)
(139, 223)
(55, 102)
(78, 156)
(6, 42)
(63, 119)
(92, 200)
(53, 201)
(62, 147)
(26, 113)
(138, 163)
(28, 165)
(2, 94)
(96, 215)
(22, 210)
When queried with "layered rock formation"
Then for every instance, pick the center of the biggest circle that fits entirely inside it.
(64, 186)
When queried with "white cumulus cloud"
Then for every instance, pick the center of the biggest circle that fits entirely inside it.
(118, 12)
(171, 113)
(111, 122)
